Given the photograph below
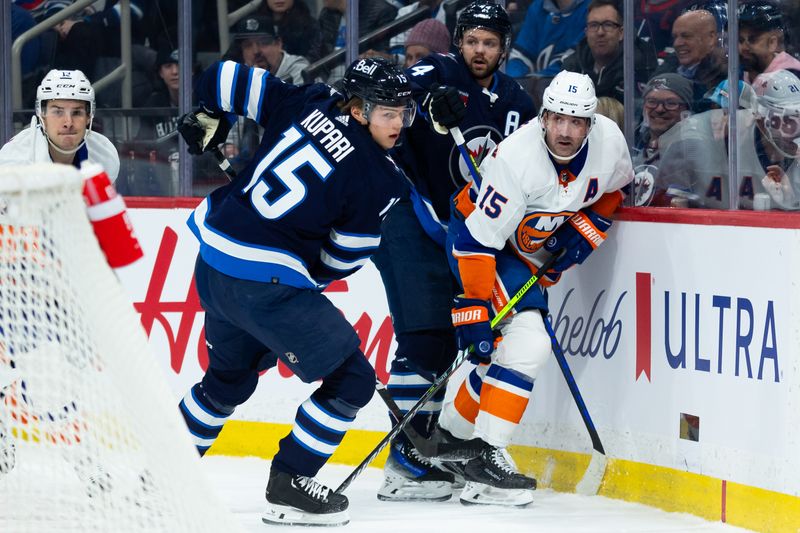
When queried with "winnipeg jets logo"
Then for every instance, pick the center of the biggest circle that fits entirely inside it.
(344, 119)
(644, 181)
(479, 147)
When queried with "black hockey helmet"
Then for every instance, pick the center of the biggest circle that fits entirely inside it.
(487, 15)
(376, 80)
(760, 15)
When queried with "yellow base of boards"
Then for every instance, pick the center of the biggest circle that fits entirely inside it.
(656, 486)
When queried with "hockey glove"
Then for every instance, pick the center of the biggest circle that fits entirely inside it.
(471, 320)
(584, 232)
(203, 130)
(445, 108)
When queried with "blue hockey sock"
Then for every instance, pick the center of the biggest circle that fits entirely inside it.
(406, 387)
(318, 429)
(204, 417)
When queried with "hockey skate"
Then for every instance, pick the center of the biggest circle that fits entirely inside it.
(294, 500)
(451, 448)
(408, 476)
(493, 479)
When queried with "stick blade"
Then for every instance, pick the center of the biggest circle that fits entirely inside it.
(593, 477)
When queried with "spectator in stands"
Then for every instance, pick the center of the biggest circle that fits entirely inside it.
(293, 22)
(426, 37)
(256, 45)
(761, 40)
(550, 32)
(398, 43)
(611, 108)
(667, 100)
(698, 56)
(695, 164)
(372, 14)
(90, 42)
(654, 18)
(599, 54)
(154, 153)
(61, 129)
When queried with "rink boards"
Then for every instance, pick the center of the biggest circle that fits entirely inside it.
(682, 334)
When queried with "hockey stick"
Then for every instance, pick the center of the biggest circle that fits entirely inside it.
(441, 380)
(461, 144)
(224, 164)
(590, 483)
(425, 446)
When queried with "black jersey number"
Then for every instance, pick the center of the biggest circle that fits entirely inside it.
(284, 169)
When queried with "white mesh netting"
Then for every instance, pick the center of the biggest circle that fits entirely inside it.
(90, 435)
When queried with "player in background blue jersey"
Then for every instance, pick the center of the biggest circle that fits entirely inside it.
(466, 90)
(306, 211)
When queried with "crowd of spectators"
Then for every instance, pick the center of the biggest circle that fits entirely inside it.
(680, 68)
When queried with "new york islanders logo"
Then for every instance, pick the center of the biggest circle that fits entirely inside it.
(536, 227)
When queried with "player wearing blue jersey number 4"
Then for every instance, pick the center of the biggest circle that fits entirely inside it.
(465, 90)
(549, 188)
(305, 211)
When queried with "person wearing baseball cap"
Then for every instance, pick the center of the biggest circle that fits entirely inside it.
(256, 44)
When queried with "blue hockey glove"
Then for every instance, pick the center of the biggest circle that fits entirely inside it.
(471, 320)
(445, 108)
(584, 232)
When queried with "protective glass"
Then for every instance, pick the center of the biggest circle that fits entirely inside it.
(784, 124)
(382, 115)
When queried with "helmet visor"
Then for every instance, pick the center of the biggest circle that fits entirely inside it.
(384, 115)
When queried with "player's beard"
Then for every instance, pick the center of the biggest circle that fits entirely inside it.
(486, 71)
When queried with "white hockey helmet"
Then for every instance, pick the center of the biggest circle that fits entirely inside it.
(570, 93)
(65, 85)
(778, 106)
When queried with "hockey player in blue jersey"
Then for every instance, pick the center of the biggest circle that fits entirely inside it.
(306, 210)
(467, 90)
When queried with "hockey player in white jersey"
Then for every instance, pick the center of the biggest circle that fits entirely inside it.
(549, 188)
(695, 159)
(61, 129)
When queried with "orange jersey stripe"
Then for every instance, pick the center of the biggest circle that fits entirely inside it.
(477, 275)
(502, 404)
(465, 405)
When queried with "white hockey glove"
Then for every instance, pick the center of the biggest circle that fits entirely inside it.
(203, 130)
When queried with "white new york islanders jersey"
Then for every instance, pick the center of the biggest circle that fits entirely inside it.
(523, 198)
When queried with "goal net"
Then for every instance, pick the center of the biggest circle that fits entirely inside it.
(90, 435)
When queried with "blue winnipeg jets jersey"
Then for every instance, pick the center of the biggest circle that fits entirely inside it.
(308, 207)
(432, 160)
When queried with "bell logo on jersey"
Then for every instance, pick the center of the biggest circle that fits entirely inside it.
(536, 228)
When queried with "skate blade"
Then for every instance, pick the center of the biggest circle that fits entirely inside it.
(284, 515)
(481, 494)
(401, 489)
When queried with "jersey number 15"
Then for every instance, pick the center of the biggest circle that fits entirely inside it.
(285, 172)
